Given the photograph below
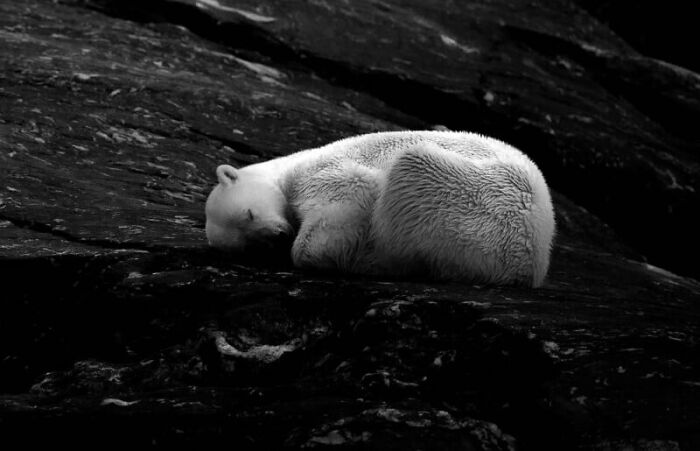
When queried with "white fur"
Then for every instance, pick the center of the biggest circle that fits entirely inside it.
(451, 205)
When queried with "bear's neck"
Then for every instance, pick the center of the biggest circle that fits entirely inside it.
(284, 170)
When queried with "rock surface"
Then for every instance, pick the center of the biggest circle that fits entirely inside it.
(660, 30)
(117, 324)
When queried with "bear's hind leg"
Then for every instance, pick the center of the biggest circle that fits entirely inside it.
(461, 218)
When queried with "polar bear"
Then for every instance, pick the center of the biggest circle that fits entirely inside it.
(442, 204)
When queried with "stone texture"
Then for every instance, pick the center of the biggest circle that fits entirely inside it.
(119, 326)
(660, 30)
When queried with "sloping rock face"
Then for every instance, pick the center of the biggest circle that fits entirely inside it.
(119, 326)
(656, 29)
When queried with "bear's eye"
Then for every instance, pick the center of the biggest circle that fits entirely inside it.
(250, 215)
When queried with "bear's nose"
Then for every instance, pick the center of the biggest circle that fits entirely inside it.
(281, 237)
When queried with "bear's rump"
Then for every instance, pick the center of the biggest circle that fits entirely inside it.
(459, 217)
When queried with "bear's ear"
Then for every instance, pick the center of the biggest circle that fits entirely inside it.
(226, 174)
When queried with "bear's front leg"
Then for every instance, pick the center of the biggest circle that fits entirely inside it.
(333, 238)
(334, 233)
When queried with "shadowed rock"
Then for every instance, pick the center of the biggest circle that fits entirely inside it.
(118, 323)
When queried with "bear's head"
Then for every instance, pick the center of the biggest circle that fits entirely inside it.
(246, 211)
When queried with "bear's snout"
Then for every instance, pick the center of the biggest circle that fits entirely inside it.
(276, 237)
(281, 236)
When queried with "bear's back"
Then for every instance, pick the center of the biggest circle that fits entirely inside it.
(377, 150)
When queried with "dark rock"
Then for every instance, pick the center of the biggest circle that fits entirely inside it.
(118, 325)
(660, 30)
